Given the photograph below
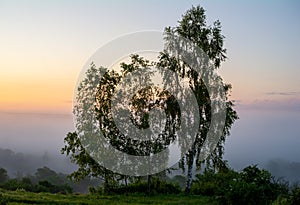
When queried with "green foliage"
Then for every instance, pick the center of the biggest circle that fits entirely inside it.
(45, 186)
(47, 174)
(250, 186)
(178, 180)
(295, 195)
(158, 186)
(12, 184)
(42, 186)
(213, 184)
(192, 26)
(87, 166)
(3, 199)
(209, 38)
(292, 198)
(45, 180)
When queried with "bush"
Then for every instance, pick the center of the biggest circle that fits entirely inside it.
(295, 195)
(251, 186)
(213, 184)
(139, 187)
(12, 185)
(45, 186)
(157, 186)
(3, 200)
(97, 190)
(163, 187)
(282, 200)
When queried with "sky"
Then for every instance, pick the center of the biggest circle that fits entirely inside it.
(44, 45)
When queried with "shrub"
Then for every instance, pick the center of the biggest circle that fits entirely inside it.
(157, 186)
(295, 195)
(46, 186)
(12, 185)
(251, 186)
(213, 184)
(3, 200)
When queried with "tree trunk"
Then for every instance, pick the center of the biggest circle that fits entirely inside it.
(189, 173)
(106, 183)
(149, 184)
(126, 183)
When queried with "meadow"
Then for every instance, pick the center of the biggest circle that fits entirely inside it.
(23, 197)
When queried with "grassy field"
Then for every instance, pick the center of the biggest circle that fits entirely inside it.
(22, 197)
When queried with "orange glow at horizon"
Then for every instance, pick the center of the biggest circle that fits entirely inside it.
(36, 93)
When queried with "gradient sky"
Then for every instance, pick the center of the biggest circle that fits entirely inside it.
(44, 44)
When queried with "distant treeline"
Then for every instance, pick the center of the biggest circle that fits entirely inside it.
(20, 164)
(45, 180)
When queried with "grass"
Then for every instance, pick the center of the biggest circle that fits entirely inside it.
(23, 197)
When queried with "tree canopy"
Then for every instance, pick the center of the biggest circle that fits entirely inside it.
(209, 39)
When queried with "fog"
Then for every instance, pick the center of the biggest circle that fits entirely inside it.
(32, 140)
(264, 134)
(34, 133)
(267, 137)
(24, 164)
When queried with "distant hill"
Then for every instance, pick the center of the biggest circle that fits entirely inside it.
(285, 169)
(21, 164)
